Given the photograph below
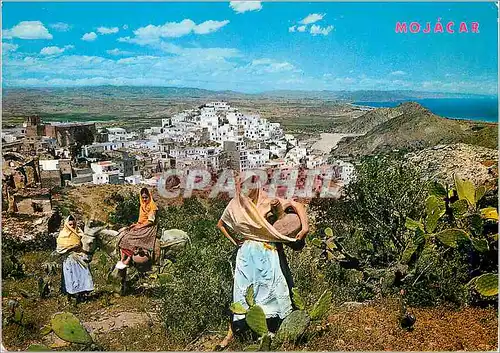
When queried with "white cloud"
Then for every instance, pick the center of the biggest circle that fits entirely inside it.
(209, 26)
(291, 29)
(315, 30)
(312, 18)
(244, 6)
(206, 53)
(398, 73)
(272, 66)
(89, 37)
(301, 28)
(28, 30)
(7, 47)
(190, 67)
(60, 26)
(118, 52)
(125, 27)
(106, 30)
(151, 33)
(53, 50)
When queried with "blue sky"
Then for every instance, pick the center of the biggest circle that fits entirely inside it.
(250, 46)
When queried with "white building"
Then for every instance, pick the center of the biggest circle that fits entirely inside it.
(315, 161)
(48, 164)
(62, 153)
(257, 158)
(99, 147)
(291, 139)
(119, 134)
(346, 170)
(105, 172)
(133, 179)
(275, 131)
(218, 106)
(8, 138)
(278, 148)
(296, 156)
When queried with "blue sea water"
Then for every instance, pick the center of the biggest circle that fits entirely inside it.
(479, 109)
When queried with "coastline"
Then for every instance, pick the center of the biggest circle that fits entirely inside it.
(439, 106)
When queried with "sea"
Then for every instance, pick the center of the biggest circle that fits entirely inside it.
(479, 109)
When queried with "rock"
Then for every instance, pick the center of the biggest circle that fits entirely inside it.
(53, 341)
(351, 305)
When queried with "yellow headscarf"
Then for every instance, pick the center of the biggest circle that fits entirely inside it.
(68, 238)
(146, 209)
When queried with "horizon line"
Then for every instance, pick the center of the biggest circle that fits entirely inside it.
(251, 93)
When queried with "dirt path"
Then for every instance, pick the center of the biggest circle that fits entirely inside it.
(328, 141)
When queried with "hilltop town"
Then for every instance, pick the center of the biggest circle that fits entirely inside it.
(215, 136)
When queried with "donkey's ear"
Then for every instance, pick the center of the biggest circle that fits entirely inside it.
(86, 226)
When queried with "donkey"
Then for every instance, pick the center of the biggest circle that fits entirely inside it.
(172, 241)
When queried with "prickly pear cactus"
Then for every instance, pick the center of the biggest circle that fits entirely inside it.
(68, 327)
(486, 284)
(265, 344)
(450, 237)
(322, 305)
(465, 190)
(435, 209)
(238, 308)
(297, 299)
(38, 348)
(291, 328)
(256, 320)
(250, 296)
(45, 330)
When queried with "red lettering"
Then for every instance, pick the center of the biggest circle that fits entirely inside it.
(400, 27)
(475, 27)
(414, 27)
(449, 26)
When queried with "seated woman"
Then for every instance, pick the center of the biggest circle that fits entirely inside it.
(258, 259)
(140, 237)
(76, 278)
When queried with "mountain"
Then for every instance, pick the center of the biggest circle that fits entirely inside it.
(186, 92)
(411, 126)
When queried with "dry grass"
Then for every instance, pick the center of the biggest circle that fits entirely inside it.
(375, 328)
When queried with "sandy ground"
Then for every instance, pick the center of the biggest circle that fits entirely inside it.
(328, 141)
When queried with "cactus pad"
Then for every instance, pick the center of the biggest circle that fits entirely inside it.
(250, 296)
(256, 320)
(238, 308)
(292, 328)
(68, 327)
(322, 305)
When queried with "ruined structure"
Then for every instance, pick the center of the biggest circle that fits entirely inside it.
(32, 201)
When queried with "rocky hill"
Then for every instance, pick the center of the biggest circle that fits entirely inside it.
(475, 163)
(411, 126)
(368, 121)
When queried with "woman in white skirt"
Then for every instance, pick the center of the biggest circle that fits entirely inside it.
(257, 260)
(76, 278)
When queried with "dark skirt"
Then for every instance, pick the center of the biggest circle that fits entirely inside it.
(144, 238)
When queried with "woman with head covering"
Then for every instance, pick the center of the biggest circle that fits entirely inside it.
(140, 237)
(76, 276)
(258, 260)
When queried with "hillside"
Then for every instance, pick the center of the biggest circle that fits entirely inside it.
(475, 163)
(411, 126)
(368, 121)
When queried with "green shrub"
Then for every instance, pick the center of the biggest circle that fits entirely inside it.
(199, 293)
(127, 210)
